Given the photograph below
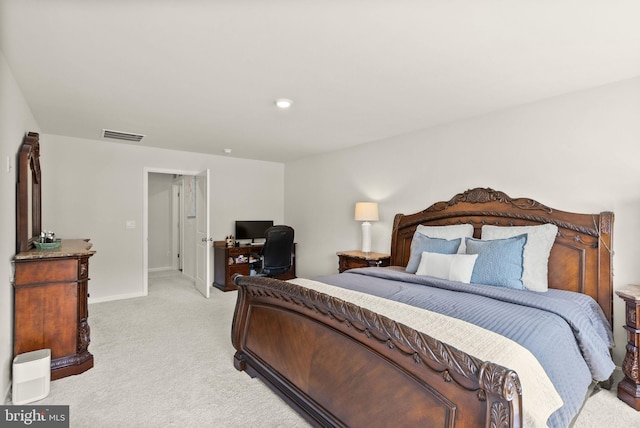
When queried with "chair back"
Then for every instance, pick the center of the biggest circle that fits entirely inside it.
(277, 250)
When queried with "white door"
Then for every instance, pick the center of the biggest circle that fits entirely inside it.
(203, 239)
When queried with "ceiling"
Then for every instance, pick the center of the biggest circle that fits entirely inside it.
(202, 76)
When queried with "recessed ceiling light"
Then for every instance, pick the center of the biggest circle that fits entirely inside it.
(227, 151)
(283, 103)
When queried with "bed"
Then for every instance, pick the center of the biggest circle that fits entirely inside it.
(345, 358)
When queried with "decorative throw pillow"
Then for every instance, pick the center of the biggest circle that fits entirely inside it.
(421, 243)
(540, 239)
(454, 267)
(452, 231)
(500, 261)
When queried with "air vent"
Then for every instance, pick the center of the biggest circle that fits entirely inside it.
(119, 135)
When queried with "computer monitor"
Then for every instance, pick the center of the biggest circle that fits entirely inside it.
(252, 229)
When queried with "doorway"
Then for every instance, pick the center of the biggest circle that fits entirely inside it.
(161, 222)
(182, 256)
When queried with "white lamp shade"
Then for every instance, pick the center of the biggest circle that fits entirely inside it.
(366, 211)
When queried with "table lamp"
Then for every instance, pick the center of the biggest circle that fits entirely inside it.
(366, 212)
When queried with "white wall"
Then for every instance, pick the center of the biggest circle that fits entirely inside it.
(16, 120)
(160, 221)
(577, 152)
(91, 188)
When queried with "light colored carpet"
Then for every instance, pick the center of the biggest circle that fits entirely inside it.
(166, 360)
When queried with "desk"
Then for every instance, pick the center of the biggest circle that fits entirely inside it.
(227, 261)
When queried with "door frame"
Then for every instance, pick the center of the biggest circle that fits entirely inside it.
(177, 222)
(145, 217)
(204, 240)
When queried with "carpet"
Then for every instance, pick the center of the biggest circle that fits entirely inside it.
(166, 360)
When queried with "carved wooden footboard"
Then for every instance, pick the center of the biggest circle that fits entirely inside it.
(342, 365)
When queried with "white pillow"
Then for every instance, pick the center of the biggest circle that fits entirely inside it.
(454, 267)
(449, 232)
(535, 263)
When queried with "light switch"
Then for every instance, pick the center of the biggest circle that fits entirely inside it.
(131, 224)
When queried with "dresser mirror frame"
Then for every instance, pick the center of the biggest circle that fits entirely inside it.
(28, 194)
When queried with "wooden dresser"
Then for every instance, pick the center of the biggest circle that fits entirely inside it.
(51, 305)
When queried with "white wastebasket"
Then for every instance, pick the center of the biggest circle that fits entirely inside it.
(31, 376)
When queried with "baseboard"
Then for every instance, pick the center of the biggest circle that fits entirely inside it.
(7, 396)
(160, 269)
(115, 297)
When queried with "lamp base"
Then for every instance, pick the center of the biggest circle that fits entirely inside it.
(366, 237)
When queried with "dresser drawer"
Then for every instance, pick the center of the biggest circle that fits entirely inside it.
(47, 271)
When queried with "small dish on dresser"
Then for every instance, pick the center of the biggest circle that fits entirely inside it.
(48, 245)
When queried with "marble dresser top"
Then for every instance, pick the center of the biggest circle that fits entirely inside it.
(67, 248)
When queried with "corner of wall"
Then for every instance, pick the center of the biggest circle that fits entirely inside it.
(15, 120)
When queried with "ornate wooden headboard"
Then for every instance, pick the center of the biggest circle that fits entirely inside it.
(580, 260)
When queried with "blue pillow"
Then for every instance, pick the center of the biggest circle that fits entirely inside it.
(499, 261)
(421, 243)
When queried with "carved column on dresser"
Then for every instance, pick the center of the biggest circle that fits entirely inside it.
(51, 305)
(629, 387)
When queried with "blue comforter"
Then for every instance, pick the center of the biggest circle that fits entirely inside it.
(567, 332)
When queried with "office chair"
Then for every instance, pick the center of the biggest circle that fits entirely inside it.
(275, 255)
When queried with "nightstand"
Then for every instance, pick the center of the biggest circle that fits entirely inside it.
(358, 259)
(629, 387)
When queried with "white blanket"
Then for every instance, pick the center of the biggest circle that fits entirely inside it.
(539, 397)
